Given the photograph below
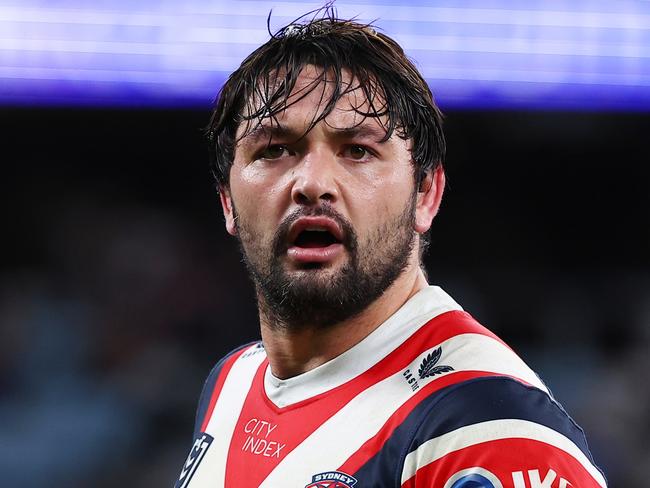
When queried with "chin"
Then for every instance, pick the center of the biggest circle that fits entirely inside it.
(316, 274)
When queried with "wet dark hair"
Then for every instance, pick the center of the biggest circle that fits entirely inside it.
(395, 91)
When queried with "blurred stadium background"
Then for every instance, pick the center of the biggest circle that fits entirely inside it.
(119, 289)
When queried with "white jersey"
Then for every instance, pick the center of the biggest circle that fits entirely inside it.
(429, 399)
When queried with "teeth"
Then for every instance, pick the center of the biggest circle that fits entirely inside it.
(316, 229)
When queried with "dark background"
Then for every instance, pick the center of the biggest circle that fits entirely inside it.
(119, 287)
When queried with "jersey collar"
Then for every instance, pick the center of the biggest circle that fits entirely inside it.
(417, 311)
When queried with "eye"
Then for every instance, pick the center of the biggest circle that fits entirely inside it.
(356, 152)
(275, 151)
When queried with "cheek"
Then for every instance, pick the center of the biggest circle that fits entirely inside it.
(257, 195)
(380, 195)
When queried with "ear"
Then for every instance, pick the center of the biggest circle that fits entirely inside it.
(228, 210)
(428, 199)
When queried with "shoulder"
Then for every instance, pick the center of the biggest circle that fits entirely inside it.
(497, 423)
(467, 349)
(217, 376)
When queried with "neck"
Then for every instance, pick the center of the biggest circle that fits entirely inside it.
(292, 352)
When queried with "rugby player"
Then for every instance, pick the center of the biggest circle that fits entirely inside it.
(328, 151)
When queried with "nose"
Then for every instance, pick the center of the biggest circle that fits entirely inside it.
(315, 179)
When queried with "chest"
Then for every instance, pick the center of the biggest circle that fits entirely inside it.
(320, 442)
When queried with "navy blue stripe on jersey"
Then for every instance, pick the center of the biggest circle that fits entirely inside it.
(208, 386)
(471, 402)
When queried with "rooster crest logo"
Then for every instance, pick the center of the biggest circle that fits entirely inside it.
(428, 366)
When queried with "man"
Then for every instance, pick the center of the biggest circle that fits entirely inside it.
(327, 150)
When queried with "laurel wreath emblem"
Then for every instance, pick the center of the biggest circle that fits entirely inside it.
(428, 366)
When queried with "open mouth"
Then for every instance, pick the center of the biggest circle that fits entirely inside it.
(313, 238)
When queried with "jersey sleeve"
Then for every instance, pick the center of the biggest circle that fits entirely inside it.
(496, 432)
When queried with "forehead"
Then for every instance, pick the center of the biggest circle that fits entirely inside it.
(317, 96)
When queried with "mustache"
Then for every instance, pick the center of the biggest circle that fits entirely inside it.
(281, 237)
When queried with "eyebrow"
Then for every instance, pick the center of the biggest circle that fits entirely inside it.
(269, 132)
(360, 131)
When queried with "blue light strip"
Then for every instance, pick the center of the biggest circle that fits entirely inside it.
(475, 53)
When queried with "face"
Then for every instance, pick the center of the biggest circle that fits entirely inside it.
(327, 221)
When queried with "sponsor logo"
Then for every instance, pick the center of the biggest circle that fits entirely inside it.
(428, 367)
(260, 438)
(535, 479)
(200, 447)
(332, 479)
(475, 477)
(410, 379)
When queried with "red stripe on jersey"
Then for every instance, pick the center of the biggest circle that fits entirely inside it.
(373, 445)
(216, 391)
(265, 434)
(434, 332)
(260, 440)
(516, 462)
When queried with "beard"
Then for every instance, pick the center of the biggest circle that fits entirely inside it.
(315, 295)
